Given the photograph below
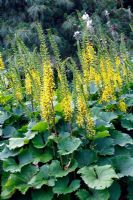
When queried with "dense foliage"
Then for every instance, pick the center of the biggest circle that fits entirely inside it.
(66, 128)
(17, 18)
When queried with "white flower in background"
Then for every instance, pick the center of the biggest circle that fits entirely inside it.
(88, 21)
(89, 24)
(85, 17)
(76, 34)
(106, 13)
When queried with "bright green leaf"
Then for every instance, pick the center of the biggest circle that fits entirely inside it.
(102, 134)
(40, 126)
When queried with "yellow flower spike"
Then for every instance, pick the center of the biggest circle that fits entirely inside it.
(90, 125)
(88, 56)
(66, 97)
(18, 93)
(94, 76)
(112, 80)
(67, 107)
(81, 110)
(2, 67)
(28, 84)
(36, 77)
(122, 106)
(47, 93)
(15, 84)
(90, 53)
(103, 71)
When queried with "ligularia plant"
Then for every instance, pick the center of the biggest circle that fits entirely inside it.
(66, 123)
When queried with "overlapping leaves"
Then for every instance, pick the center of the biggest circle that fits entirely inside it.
(57, 166)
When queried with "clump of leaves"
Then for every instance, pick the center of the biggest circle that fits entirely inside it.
(75, 143)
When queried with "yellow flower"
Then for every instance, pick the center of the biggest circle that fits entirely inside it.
(83, 115)
(1, 63)
(15, 84)
(47, 93)
(94, 76)
(88, 57)
(36, 78)
(108, 94)
(67, 107)
(89, 53)
(90, 125)
(18, 92)
(28, 84)
(81, 110)
(103, 71)
(122, 106)
(66, 97)
(111, 79)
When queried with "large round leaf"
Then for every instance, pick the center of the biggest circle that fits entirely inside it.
(6, 153)
(105, 146)
(124, 165)
(121, 139)
(41, 178)
(56, 170)
(127, 121)
(10, 165)
(105, 118)
(98, 177)
(86, 157)
(17, 142)
(62, 186)
(68, 145)
(18, 181)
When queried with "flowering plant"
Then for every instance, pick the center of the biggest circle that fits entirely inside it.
(66, 127)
